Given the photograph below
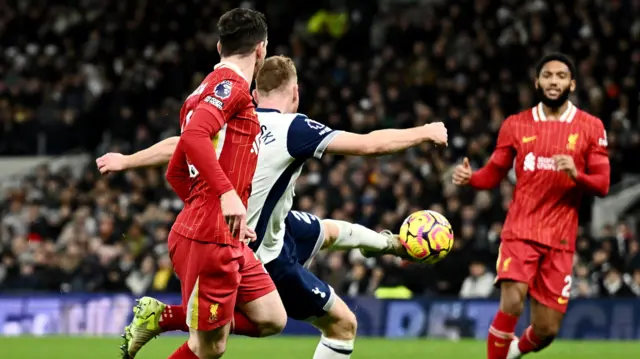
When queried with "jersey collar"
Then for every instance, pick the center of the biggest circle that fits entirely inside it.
(233, 67)
(567, 116)
(264, 110)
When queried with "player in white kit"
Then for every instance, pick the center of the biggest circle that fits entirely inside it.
(288, 240)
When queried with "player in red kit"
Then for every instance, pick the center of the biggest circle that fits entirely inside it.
(560, 154)
(211, 171)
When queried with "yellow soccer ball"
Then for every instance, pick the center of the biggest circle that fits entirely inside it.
(427, 236)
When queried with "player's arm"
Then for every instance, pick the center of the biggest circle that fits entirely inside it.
(178, 174)
(386, 141)
(597, 176)
(496, 169)
(156, 155)
(307, 138)
(195, 141)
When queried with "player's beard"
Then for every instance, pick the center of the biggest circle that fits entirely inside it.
(553, 103)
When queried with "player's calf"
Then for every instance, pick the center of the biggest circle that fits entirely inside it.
(501, 331)
(338, 327)
(207, 344)
(545, 325)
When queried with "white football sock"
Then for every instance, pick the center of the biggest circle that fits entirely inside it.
(514, 351)
(333, 349)
(357, 236)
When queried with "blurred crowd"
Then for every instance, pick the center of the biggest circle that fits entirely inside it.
(101, 76)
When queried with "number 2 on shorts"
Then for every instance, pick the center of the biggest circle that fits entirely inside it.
(566, 291)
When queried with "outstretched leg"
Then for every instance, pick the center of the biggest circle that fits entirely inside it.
(341, 235)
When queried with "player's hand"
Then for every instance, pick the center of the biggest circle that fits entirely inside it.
(565, 164)
(112, 162)
(250, 235)
(235, 214)
(462, 173)
(437, 133)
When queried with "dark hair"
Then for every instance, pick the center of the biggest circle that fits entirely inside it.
(240, 31)
(556, 56)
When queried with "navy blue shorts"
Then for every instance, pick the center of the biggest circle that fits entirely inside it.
(304, 295)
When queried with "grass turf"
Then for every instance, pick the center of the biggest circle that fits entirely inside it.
(302, 347)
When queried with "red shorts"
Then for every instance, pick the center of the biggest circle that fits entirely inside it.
(214, 277)
(546, 270)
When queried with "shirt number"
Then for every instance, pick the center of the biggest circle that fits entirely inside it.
(193, 172)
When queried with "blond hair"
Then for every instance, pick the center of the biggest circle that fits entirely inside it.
(275, 72)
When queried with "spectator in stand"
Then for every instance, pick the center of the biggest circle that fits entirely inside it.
(479, 283)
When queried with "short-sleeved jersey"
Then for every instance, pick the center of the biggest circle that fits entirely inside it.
(546, 201)
(224, 93)
(286, 142)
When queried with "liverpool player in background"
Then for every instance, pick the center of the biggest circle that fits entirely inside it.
(211, 170)
(560, 154)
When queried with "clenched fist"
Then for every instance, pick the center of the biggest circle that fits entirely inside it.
(112, 162)
(437, 133)
(462, 173)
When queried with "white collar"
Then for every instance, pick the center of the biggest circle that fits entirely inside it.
(567, 116)
(233, 67)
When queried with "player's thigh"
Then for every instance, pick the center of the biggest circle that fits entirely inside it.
(516, 266)
(307, 233)
(257, 294)
(209, 280)
(552, 284)
(517, 261)
(339, 322)
(305, 296)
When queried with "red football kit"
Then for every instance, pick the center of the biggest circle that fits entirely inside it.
(539, 234)
(217, 152)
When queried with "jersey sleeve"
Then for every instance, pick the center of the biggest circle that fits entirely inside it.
(224, 100)
(597, 152)
(505, 152)
(597, 177)
(307, 138)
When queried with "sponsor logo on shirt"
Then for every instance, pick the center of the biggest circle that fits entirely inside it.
(532, 162)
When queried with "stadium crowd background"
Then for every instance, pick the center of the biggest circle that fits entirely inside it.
(111, 76)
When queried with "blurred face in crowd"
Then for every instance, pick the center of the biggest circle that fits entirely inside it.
(477, 269)
(554, 84)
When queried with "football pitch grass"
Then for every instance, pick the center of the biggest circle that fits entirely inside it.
(302, 348)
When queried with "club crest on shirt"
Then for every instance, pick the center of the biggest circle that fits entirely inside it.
(571, 141)
(314, 124)
(213, 312)
(223, 90)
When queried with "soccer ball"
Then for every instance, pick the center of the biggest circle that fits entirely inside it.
(427, 236)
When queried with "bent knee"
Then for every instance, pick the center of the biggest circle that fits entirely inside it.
(546, 331)
(342, 326)
(274, 325)
(512, 297)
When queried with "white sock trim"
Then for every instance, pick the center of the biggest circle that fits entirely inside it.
(337, 344)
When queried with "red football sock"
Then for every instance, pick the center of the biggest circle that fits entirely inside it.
(242, 325)
(500, 335)
(529, 341)
(173, 318)
(183, 353)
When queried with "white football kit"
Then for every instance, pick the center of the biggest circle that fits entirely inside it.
(287, 240)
